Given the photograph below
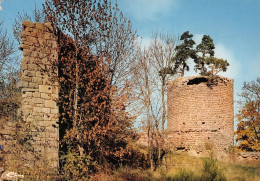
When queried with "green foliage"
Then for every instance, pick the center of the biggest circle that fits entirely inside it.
(216, 65)
(184, 51)
(183, 175)
(206, 48)
(205, 58)
(77, 167)
(211, 172)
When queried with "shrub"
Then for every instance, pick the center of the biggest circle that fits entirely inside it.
(211, 172)
(128, 174)
(183, 175)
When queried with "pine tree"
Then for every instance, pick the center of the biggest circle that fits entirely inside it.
(184, 51)
(206, 48)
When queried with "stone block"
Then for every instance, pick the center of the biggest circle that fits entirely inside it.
(29, 73)
(27, 52)
(55, 111)
(47, 81)
(42, 41)
(37, 80)
(38, 109)
(32, 67)
(28, 107)
(27, 94)
(39, 74)
(34, 113)
(40, 26)
(28, 29)
(45, 96)
(48, 36)
(29, 90)
(37, 94)
(49, 26)
(40, 105)
(46, 110)
(23, 66)
(28, 24)
(26, 111)
(45, 89)
(34, 33)
(50, 104)
(54, 96)
(24, 34)
(33, 85)
(23, 84)
(25, 60)
(32, 41)
(24, 46)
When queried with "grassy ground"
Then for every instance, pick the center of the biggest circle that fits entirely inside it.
(182, 167)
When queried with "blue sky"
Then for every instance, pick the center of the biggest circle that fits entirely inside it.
(234, 25)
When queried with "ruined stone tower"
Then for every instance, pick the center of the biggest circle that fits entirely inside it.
(39, 93)
(200, 113)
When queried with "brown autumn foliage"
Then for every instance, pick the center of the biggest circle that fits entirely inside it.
(100, 26)
(95, 128)
(98, 126)
(248, 128)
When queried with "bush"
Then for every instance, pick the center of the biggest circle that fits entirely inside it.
(183, 175)
(128, 174)
(211, 172)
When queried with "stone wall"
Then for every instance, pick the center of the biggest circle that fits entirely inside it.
(200, 113)
(39, 92)
(248, 156)
(8, 133)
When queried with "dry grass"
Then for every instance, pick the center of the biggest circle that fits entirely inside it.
(181, 166)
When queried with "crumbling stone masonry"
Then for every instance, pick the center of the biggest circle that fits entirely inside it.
(39, 46)
(200, 113)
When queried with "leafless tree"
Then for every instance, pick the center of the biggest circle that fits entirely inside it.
(103, 26)
(144, 86)
(9, 69)
(37, 16)
(162, 49)
(152, 72)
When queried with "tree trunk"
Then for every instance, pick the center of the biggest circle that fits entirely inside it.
(163, 102)
(75, 106)
(182, 71)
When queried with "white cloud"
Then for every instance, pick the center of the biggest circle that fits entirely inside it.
(144, 42)
(0, 4)
(150, 9)
(234, 68)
